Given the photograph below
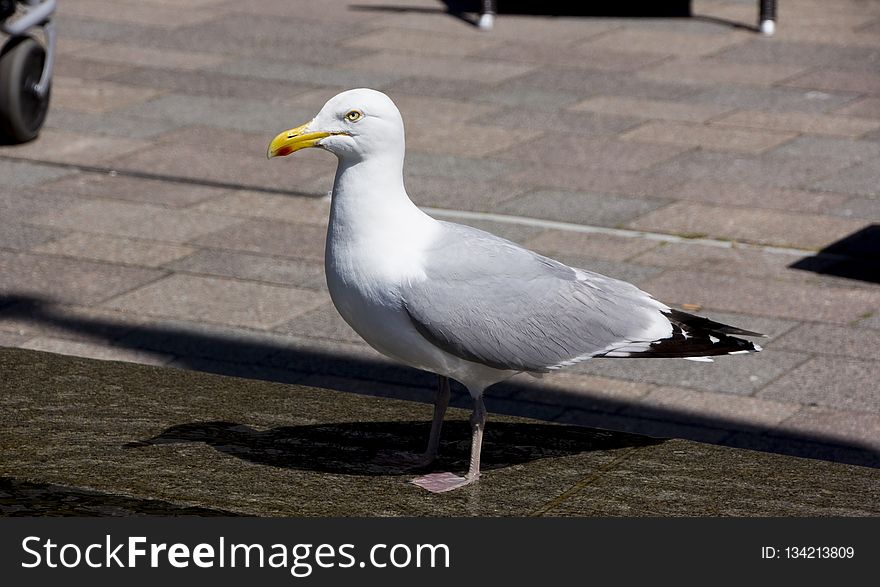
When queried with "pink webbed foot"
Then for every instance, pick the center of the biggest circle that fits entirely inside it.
(442, 482)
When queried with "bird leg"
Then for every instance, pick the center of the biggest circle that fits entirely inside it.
(413, 460)
(441, 402)
(442, 482)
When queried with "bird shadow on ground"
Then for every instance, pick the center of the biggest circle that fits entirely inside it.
(856, 256)
(354, 448)
(469, 10)
(269, 357)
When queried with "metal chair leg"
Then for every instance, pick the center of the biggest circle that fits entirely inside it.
(487, 15)
(767, 19)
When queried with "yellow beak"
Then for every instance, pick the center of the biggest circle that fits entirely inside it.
(293, 140)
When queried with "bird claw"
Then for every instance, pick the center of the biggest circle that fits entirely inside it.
(442, 482)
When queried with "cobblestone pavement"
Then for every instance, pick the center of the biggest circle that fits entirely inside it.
(703, 162)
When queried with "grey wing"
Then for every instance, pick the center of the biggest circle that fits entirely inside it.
(491, 301)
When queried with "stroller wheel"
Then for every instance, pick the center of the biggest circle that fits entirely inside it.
(22, 110)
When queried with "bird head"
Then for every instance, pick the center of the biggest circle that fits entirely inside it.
(355, 124)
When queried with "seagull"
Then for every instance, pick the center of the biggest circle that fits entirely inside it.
(460, 302)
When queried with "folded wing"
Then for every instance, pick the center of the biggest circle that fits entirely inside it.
(490, 301)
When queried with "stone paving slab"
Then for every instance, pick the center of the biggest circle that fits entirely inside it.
(770, 298)
(244, 30)
(135, 220)
(17, 173)
(772, 227)
(246, 447)
(404, 41)
(584, 123)
(755, 196)
(80, 68)
(707, 137)
(865, 108)
(851, 151)
(458, 194)
(544, 175)
(284, 208)
(151, 14)
(92, 96)
(842, 425)
(324, 319)
(699, 404)
(599, 246)
(597, 83)
(301, 241)
(220, 301)
(652, 109)
(596, 153)
(597, 209)
(764, 170)
(770, 99)
(147, 57)
(225, 170)
(741, 377)
(469, 140)
(238, 114)
(736, 261)
(134, 189)
(860, 207)
(21, 314)
(711, 72)
(78, 149)
(862, 82)
(110, 124)
(275, 270)
(858, 179)
(827, 124)
(21, 237)
(206, 83)
(114, 250)
(801, 53)
(835, 340)
(76, 281)
(847, 384)
(661, 42)
(585, 56)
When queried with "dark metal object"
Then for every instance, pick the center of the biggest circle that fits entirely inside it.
(7, 8)
(766, 20)
(22, 108)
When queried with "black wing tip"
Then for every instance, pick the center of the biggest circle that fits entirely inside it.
(695, 337)
(700, 323)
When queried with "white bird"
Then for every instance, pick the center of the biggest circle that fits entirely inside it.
(460, 302)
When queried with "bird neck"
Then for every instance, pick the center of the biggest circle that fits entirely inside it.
(370, 192)
(375, 230)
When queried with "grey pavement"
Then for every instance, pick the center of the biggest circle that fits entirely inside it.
(704, 162)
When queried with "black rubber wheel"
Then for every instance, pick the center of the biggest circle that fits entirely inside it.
(22, 111)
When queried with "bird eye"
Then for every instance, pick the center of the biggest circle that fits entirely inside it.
(354, 115)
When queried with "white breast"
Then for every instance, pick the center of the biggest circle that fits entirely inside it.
(371, 251)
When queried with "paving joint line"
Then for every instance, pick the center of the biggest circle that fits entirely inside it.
(583, 483)
(809, 357)
(622, 232)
